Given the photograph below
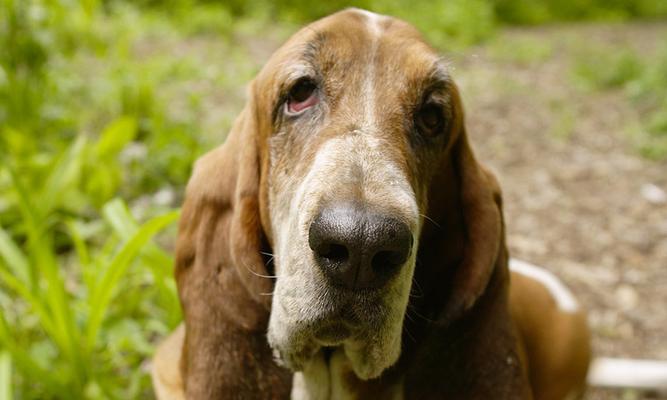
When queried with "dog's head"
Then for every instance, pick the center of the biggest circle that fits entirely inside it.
(349, 158)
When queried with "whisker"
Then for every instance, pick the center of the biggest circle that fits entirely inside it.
(409, 334)
(415, 285)
(258, 274)
(414, 310)
(266, 294)
(431, 220)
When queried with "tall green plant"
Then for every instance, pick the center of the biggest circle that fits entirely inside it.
(5, 376)
(64, 324)
(84, 294)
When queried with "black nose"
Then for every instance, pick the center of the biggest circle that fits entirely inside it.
(358, 248)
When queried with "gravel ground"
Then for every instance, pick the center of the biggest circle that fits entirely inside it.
(579, 199)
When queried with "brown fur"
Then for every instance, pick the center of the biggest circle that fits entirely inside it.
(459, 339)
(557, 344)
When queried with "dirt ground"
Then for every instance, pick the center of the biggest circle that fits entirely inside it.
(577, 194)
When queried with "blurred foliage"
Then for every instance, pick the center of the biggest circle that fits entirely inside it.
(530, 12)
(100, 101)
(447, 22)
(643, 80)
(82, 286)
(524, 12)
(524, 51)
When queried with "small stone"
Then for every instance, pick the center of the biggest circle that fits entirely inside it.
(626, 297)
(626, 330)
(134, 151)
(653, 194)
(164, 197)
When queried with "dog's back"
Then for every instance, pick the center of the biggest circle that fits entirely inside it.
(553, 332)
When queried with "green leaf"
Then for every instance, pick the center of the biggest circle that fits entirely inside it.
(102, 295)
(17, 286)
(64, 176)
(25, 363)
(118, 216)
(123, 223)
(79, 242)
(160, 263)
(14, 258)
(115, 136)
(54, 295)
(5, 376)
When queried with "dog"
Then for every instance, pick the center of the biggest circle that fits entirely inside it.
(345, 243)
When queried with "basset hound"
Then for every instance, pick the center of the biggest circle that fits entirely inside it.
(345, 243)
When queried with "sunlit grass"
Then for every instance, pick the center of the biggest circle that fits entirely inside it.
(96, 103)
(642, 80)
(524, 51)
(67, 285)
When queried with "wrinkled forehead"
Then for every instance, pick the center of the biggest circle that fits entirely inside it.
(348, 46)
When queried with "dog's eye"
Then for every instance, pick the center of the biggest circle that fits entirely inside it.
(302, 96)
(430, 119)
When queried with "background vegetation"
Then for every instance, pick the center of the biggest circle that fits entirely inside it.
(99, 127)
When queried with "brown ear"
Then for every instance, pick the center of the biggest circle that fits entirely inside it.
(483, 228)
(221, 276)
(475, 195)
(220, 224)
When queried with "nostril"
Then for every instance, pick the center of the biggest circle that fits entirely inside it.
(385, 260)
(334, 252)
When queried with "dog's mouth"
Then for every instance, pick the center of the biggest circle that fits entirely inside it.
(332, 333)
(334, 328)
(364, 324)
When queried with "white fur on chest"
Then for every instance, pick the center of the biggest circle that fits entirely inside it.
(326, 381)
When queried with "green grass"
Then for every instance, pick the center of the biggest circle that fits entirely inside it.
(80, 293)
(642, 80)
(565, 119)
(598, 68)
(5, 376)
(525, 51)
(94, 343)
(86, 118)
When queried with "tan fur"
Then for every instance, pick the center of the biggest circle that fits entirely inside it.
(165, 371)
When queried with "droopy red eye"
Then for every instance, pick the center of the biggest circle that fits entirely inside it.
(302, 96)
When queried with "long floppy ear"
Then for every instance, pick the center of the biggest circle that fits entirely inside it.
(220, 220)
(220, 272)
(482, 229)
(482, 217)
